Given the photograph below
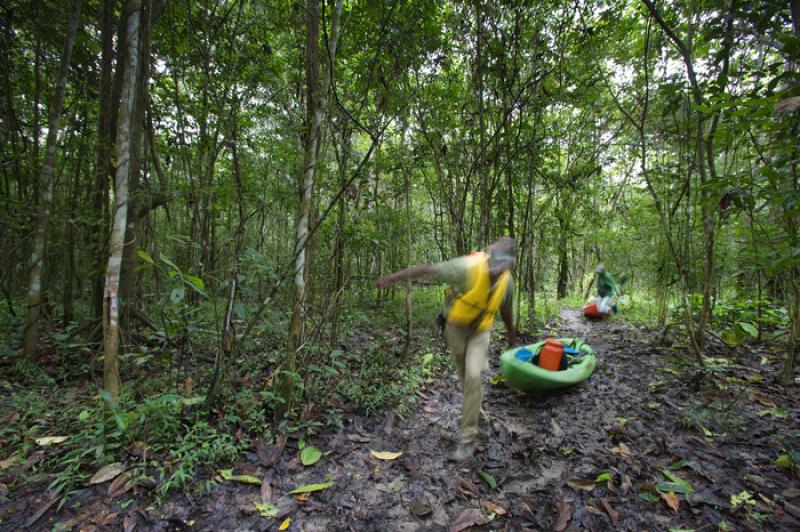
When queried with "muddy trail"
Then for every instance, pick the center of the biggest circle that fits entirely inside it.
(638, 446)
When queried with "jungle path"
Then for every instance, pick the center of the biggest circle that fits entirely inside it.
(628, 421)
(604, 454)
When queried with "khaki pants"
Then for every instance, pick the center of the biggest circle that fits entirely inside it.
(470, 351)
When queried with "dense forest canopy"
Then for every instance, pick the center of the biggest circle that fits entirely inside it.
(204, 186)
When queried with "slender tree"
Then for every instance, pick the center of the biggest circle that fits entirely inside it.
(31, 340)
(125, 116)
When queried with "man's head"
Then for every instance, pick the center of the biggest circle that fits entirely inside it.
(502, 255)
(600, 269)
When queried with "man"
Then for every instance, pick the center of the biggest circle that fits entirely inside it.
(483, 285)
(606, 289)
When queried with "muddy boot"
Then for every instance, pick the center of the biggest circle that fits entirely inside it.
(462, 452)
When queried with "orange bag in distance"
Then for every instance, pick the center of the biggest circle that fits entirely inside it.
(591, 310)
(550, 355)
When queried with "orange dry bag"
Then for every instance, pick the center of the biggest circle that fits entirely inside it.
(590, 310)
(551, 354)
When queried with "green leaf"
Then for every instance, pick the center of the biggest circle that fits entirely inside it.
(489, 479)
(265, 509)
(603, 477)
(308, 488)
(649, 497)
(194, 281)
(677, 480)
(744, 497)
(671, 487)
(748, 328)
(176, 296)
(784, 461)
(310, 455)
(189, 401)
(227, 474)
(145, 257)
(168, 262)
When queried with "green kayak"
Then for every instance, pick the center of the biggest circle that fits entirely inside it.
(524, 375)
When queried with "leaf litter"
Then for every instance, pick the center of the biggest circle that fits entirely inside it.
(594, 456)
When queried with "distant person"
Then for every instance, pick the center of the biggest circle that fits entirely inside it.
(482, 285)
(606, 289)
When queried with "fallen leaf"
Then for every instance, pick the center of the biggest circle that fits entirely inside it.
(359, 438)
(386, 455)
(285, 524)
(9, 418)
(563, 514)
(622, 450)
(8, 462)
(672, 500)
(266, 491)
(227, 474)
(497, 379)
(603, 477)
(394, 486)
(613, 514)
(265, 509)
(269, 454)
(763, 400)
(489, 479)
(580, 484)
(303, 497)
(139, 448)
(677, 480)
(121, 485)
(468, 518)
(492, 507)
(312, 487)
(107, 472)
(310, 455)
(48, 440)
(420, 508)
(468, 488)
(625, 485)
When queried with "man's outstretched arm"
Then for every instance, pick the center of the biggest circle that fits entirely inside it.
(411, 273)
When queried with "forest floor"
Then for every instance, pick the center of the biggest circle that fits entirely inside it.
(645, 444)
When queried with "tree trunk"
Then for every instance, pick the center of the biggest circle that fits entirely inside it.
(128, 276)
(31, 338)
(111, 331)
(102, 171)
(311, 141)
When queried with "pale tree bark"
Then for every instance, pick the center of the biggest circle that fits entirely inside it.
(31, 338)
(111, 332)
(315, 107)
